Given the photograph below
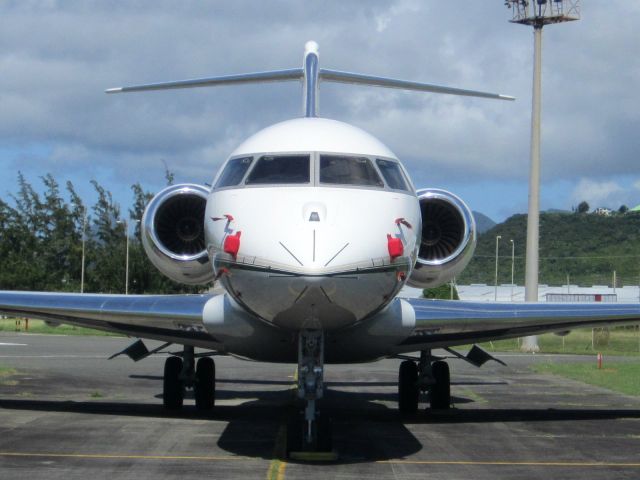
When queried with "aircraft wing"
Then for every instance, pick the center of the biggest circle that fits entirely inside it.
(171, 318)
(441, 323)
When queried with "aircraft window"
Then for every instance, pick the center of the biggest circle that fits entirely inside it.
(392, 174)
(280, 169)
(234, 172)
(343, 170)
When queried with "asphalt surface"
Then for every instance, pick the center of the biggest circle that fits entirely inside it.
(68, 413)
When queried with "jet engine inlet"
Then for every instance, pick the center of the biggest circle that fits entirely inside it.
(173, 233)
(448, 238)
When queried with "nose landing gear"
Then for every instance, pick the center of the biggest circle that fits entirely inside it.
(310, 430)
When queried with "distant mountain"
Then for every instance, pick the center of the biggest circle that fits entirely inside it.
(483, 223)
(586, 247)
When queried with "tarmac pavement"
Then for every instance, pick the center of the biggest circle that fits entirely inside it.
(69, 413)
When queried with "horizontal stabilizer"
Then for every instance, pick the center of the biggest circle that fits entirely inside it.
(311, 75)
(257, 77)
(359, 79)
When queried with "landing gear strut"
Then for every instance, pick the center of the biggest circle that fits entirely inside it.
(430, 375)
(182, 373)
(311, 430)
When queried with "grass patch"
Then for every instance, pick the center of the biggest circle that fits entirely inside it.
(39, 326)
(5, 372)
(620, 377)
(615, 341)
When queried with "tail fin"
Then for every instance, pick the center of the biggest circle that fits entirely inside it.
(311, 75)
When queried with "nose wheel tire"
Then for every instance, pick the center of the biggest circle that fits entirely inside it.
(173, 386)
(205, 384)
(440, 391)
(408, 390)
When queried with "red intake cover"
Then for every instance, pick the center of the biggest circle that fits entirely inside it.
(232, 244)
(396, 249)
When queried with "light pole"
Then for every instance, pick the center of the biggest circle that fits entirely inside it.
(126, 263)
(84, 240)
(513, 259)
(498, 237)
(537, 13)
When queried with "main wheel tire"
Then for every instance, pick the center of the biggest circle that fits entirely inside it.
(205, 384)
(173, 386)
(408, 391)
(440, 393)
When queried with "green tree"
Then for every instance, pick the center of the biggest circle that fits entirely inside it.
(443, 292)
(583, 207)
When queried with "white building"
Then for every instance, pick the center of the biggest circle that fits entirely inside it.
(515, 293)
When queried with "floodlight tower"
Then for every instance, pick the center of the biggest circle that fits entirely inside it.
(537, 13)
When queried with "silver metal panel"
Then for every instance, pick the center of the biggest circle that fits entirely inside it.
(163, 317)
(357, 78)
(257, 77)
(444, 322)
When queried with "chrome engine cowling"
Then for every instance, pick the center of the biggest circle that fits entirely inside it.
(448, 238)
(173, 233)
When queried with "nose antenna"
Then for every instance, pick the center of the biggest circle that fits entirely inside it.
(311, 75)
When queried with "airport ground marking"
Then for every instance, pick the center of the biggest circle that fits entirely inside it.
(100, 456)
(512, 463)
(278, 465)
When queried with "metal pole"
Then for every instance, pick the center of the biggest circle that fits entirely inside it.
(498, 237)
(84, 230)
(126, 274)
(530, 344)
(513, 260)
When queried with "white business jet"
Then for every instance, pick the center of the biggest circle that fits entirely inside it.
(312, 226)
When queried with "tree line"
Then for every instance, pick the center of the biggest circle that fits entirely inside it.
(42, 237)
(585, 249)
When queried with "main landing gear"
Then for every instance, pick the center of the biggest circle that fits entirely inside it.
(180, 375)
(310, 430)
(428, 375)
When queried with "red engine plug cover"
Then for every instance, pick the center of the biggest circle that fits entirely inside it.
(232, 244)
(396, 249)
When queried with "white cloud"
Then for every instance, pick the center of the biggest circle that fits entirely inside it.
(54, 77)
(600, 194)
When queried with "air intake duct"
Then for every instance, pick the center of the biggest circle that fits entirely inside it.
(448, 238)
(173, 233)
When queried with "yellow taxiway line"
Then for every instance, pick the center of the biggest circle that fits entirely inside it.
(512, 463)
(100, 456)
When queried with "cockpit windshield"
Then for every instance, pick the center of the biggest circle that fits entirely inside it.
(280, 169)
(345, 170)
(392, 174)
(233, 172)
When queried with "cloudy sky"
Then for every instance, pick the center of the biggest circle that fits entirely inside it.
(57, 57)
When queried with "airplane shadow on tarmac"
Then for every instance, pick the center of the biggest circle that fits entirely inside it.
(364, 429)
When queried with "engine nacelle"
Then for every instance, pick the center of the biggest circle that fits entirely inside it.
(448, 238)
(173, 233)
